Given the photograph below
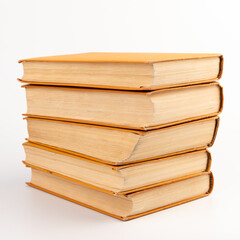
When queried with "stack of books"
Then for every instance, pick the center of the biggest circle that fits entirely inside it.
(125, 134)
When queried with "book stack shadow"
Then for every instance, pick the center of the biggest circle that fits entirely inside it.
(125, 134)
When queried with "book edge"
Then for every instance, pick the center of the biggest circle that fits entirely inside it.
(114, 167)
(107, 87)
(175, 57)
(124, 193)
(129, 217)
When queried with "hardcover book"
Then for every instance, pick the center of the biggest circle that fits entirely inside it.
(130, 205)
(118, 146)
(132, 71)
(125, 109)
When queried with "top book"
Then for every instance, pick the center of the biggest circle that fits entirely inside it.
(130, 71)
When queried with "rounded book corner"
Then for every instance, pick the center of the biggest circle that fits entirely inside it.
(211, 184)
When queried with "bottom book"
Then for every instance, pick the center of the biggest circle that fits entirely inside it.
(131, 205)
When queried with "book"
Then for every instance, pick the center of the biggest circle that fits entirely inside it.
(116, 179)
(130, 205)
(118, 146)
(125, 109)
(133, 71)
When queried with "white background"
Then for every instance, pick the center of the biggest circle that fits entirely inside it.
(52, 27)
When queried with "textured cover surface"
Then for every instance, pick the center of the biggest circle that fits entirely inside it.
(118, 57)
(144, 213)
